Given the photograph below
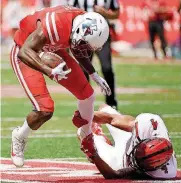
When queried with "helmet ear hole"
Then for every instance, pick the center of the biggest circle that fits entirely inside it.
(77, 31)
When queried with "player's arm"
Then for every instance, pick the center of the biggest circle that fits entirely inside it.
(29, 51)
(108, 14)
(108, 172)
(88, 147)
(85, 63)
(112, 13)
(123, 122)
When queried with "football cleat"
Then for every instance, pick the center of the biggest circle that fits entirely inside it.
(17, 148)
(78, 121)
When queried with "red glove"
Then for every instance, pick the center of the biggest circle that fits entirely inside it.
(78, 121)
(88, 147)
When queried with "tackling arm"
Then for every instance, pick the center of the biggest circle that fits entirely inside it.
(29, 51)
(108, 172)
(123, 122)
(85, 63)
(88, 147)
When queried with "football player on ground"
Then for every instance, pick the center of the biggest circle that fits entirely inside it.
(141, 145)
(54, 30)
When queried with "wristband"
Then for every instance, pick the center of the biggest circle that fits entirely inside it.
(94, 75)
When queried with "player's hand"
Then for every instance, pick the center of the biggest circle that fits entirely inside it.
(101, 83)
(100, 10)
(58, 73)
(88, 147)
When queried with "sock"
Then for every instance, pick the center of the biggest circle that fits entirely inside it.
(86, 109)
(24, 130)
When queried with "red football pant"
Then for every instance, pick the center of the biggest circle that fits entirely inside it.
(35, 87)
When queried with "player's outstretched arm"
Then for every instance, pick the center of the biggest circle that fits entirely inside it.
(108, 172)
(123, 122)
(88, 147)
(102, 117)
(29, 51)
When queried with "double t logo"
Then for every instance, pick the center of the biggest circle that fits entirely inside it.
(89, 26)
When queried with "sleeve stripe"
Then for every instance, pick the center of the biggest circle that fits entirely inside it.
(48, 29)
(54, 26)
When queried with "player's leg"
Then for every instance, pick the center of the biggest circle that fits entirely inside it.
(105, 58)
(43, 106)
(160, 28)
(107, 152)
(78, 85)
(120, 137)
(112, 155)
(152, 34)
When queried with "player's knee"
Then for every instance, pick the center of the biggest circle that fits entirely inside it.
(87, 93)
(41, 117)
(45, 116)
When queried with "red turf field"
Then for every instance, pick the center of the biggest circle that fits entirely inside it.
(60, 171)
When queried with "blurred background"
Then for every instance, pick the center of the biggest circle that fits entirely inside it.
(129, 33)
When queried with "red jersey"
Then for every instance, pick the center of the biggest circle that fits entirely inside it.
(56, 24)
(154, 7)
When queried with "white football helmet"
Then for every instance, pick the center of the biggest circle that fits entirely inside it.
(89, 32)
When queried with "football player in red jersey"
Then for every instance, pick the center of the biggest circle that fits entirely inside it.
(56, 29)
(141, 145)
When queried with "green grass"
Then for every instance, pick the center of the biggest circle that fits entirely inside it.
(130, 75)
(166, 104)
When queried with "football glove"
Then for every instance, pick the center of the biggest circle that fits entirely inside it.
(101, 83)
(58, 73)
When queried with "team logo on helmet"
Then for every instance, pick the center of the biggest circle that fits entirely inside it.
(89, 26)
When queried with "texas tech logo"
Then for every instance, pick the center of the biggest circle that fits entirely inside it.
(89, 26)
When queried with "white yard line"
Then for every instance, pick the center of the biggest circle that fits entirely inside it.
(171, 115)
(19, 93)
(56, 160)
(99, 102)
(20, 181)
(55, 118)
(66, 135)
(45, 132)
(66, 132)
(45, 136)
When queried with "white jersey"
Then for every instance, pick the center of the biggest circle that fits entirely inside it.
(146, 126)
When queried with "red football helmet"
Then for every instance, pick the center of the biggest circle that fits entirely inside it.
(150, 154)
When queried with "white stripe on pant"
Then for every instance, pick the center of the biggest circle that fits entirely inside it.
(20, 77)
